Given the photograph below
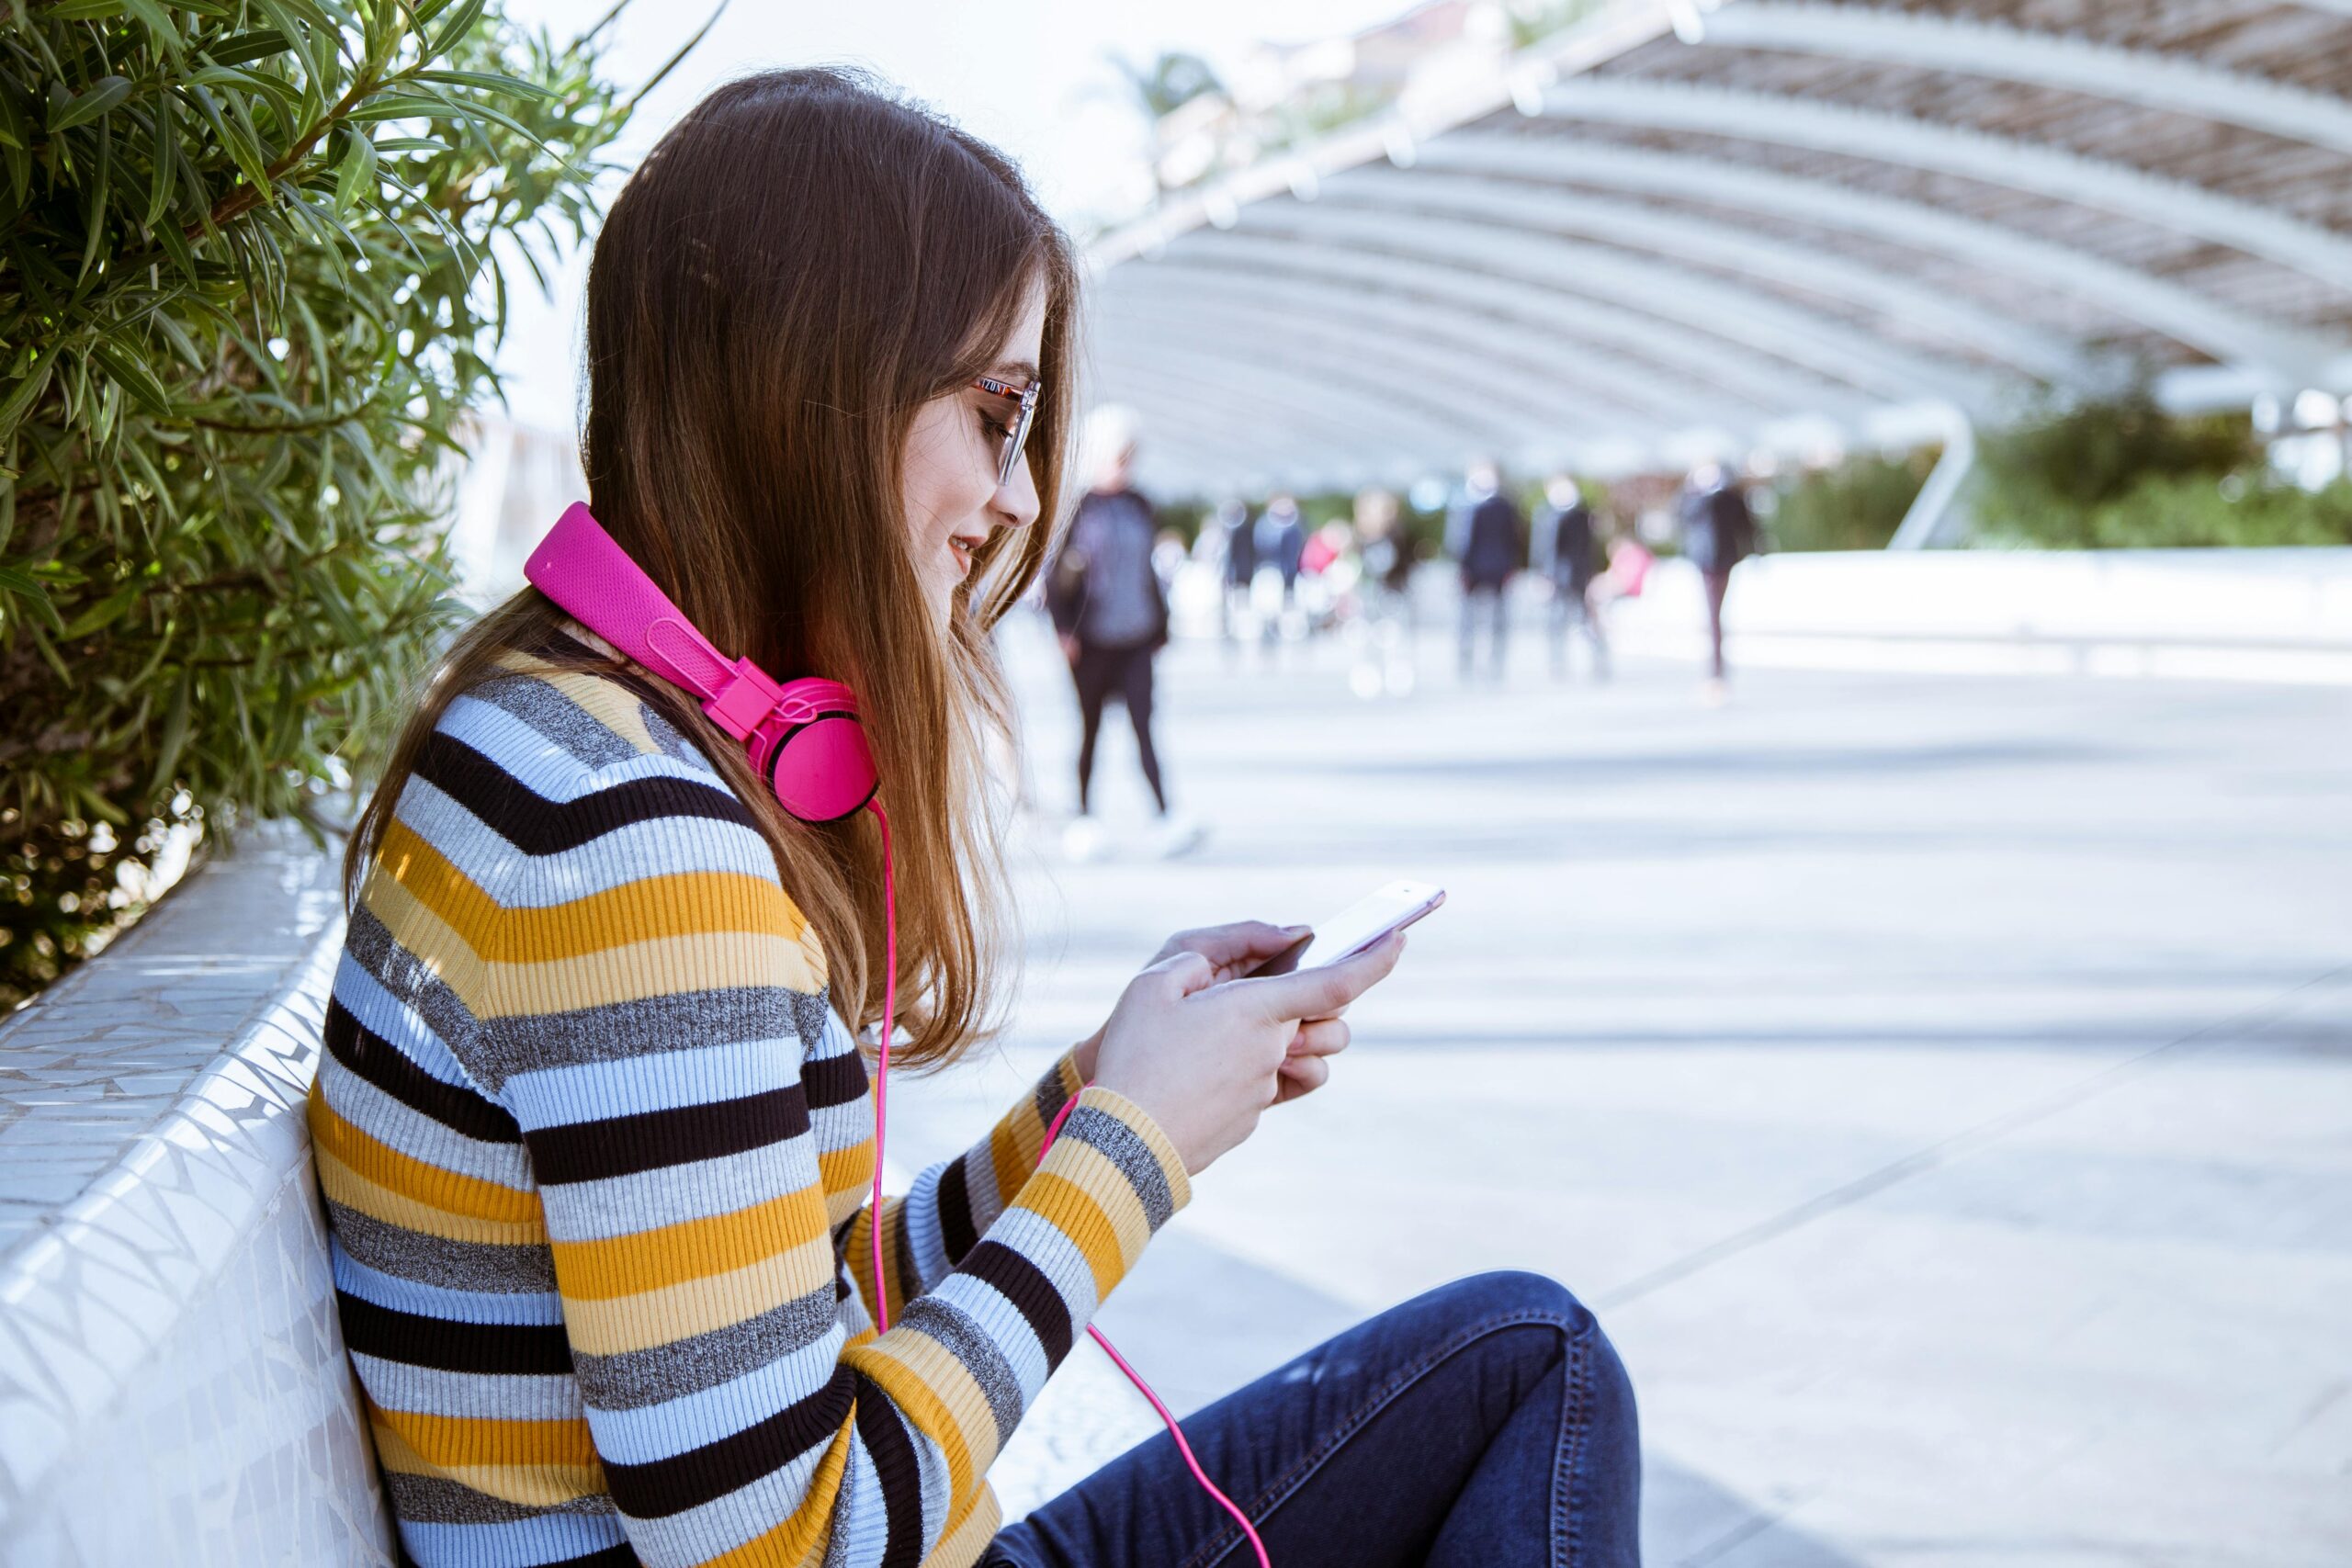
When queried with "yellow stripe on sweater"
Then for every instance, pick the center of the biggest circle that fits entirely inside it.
(1075, 1212)
(527, 1486)
(639, 1322)
(646, 910)
(375, 1161)
(441, 1441)
(643, 969)
(611, 1267)
(354, 1191)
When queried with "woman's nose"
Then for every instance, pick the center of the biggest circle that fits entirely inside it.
(1015, 502)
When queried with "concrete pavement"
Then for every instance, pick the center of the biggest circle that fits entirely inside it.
(1942, 1085)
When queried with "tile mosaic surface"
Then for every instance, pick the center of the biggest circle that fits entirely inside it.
(173, 1384)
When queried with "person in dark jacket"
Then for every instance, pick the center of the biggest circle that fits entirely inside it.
(1718, 533)
(1280, 543)
(1488, 537)
(1110, 612)
(1564, 526)
(1239, 556)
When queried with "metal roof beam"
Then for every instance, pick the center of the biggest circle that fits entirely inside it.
(1727, 310)
(1898, 139)
(1313, 344)
(2145, 77)
(1707, 360)
(1421, 337)
(2161, 306)
(1259, 417)
(1485, 205)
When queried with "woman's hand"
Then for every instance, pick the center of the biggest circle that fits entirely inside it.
(1205, 1058)
(1232, 951)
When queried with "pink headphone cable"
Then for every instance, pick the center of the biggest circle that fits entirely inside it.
(881, 1121)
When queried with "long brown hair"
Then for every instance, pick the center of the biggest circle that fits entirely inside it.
(798, 265)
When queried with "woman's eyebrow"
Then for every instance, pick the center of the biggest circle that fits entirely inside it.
(1015, 370)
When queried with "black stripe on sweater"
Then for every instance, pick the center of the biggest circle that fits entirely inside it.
(414, 1340)
(651, 1140)
(1019, 1282)
(618, 1556)
(661, 1487)
(369, 1055)
(896, 1467)
(538, 826)
(955, 1230)
(835, 1080)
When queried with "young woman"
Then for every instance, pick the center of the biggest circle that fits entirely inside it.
(593, 1127)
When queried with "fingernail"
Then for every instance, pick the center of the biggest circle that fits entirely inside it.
(1297, 931)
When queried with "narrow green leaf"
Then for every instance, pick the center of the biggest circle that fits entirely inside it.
(28, 590)
(84, 107)
(357, 171)
(106, 612)
(162, 164)
(175, 736)
(487, 82)
(130, 373)
(160, 26)
(240, 48)
(461, 22)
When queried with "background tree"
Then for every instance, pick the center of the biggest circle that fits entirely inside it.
(247, 299)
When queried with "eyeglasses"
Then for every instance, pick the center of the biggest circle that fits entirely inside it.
(1019, 432)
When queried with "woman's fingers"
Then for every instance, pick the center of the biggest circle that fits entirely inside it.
(1242, 945)
(1300, 1075)
(1322, 991)
(1319, 1037)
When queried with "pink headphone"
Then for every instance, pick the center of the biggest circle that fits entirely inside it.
(803, 735)
(805, 738)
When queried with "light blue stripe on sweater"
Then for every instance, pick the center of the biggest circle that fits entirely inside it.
(526, 1307)
(656, 1080)
(364, 997)
(549, 1538)
(670, 845)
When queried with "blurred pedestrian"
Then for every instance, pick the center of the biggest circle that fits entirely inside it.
(1564, 529)
(1280, 542)
(1488, 536)
(1110, 612)
(1384, 630)
(1238, 565)
(1718, 533)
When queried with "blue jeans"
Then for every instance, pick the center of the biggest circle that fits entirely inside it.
(1486, 1424)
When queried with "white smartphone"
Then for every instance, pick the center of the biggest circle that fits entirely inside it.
(1356, 926)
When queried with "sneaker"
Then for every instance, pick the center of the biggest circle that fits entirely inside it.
(1083, 840)
(1179, 832)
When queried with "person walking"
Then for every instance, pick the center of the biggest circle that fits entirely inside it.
(597, 1123)
(1110, 613)
(1563, 524)
(1488, 536)
(1718, 533)
(1279, 547)
(1234, 530)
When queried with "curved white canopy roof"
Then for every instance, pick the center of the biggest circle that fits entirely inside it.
(1692, 227)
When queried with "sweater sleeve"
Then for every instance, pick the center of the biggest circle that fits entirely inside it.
(950, 1205)
(649, 974)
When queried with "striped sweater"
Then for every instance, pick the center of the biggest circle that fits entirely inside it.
(595, 1151)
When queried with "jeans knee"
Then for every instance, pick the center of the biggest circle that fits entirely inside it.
(1506, 1291)
(1509, 1293)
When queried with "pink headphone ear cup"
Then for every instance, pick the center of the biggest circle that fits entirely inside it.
(823, 770)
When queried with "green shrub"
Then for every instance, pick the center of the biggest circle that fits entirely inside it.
(1856, 505)
(246, 301)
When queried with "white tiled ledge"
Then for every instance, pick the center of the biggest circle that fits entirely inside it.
(173, 1386)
